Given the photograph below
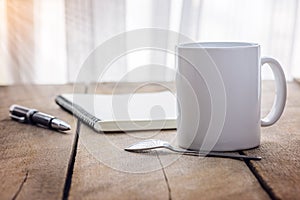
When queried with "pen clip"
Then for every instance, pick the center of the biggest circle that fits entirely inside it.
(20, 119)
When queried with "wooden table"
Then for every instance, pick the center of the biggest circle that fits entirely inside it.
(36, 163)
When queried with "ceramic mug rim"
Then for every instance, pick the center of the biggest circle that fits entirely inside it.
(217, 45)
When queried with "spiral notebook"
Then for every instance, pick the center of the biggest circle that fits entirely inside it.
(122, 112)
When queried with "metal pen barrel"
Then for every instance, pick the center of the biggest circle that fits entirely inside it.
(42, 119)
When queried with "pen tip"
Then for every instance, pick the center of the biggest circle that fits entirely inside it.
(64, 127)
(60, 125)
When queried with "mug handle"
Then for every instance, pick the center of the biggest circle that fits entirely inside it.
(280, 97)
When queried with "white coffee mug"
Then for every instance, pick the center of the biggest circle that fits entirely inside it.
(219, 95)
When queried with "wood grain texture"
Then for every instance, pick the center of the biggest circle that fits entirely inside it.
(192, 177)
(104, 170)
(279, 170)
(33, 160)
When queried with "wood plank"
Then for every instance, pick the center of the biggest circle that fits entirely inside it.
(192, 177)
(279, 171)
(33, 160)
(104, 170)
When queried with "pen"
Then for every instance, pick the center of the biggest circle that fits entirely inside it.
(33, 116)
